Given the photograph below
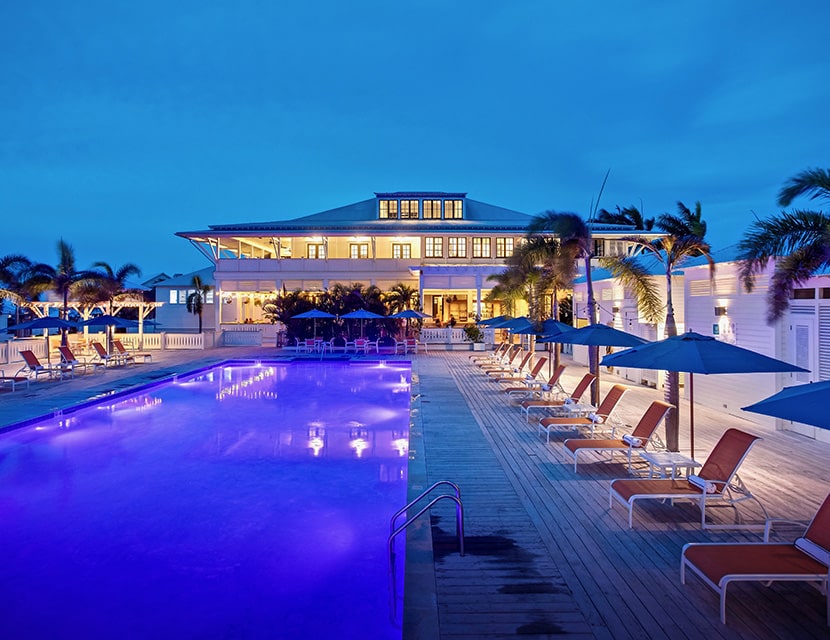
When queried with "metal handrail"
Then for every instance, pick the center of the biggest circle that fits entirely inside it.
(459, 516)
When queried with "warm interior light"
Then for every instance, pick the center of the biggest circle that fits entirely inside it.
(720, 311)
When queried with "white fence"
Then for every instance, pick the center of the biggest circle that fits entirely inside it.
(451, 336)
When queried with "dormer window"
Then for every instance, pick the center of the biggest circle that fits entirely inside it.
(453, 209)
(409, 209)
(389, 209)
(432, 209)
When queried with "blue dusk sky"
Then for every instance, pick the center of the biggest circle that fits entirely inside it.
(124, 122)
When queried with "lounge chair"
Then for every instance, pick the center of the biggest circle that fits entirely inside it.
(510, 370)
(603, 415)
(34, 368)
(638, 440)
(13, 381)
(106, 358)
(530, 375)
(806, 560)
(68, 358)
(717, 481)
(132, 355)
(547, 404)
(531, 387)
(505, 361)
(495, 356)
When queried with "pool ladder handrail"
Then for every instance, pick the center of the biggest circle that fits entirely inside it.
(459, 515)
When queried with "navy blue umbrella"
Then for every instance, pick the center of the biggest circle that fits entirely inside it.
(361, 314)
(46, 322)
(314, 314)
(695, 353)
(805, 403)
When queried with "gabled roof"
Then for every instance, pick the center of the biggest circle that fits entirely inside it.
(186, 279)
(363, 216)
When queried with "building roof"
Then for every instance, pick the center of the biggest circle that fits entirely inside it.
(186, 279)
(363, 216)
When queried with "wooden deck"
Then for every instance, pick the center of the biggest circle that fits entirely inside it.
(546, 557)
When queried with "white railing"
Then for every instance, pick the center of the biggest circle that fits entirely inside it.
(183, 340)
(450, 335)
(244, 338)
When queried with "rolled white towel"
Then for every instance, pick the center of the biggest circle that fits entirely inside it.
(632, 441)
(703, 485)
(528, 376)
(569, 400)
(545, 387)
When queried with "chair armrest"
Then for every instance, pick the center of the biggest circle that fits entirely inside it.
(772, 522)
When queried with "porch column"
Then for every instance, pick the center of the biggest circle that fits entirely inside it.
(478, 296)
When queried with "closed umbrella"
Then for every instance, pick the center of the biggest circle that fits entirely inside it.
(361, 314)
(695, 353)
(805, 403)
(47, 322)
(314, 314)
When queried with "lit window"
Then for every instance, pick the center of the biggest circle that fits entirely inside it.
(481, 247)
(183, 293)
(174, 296)
(433, 248)
(360, 251)
(389, 209)
(504, 247)
(599, 248)
(316, 251)
(209, 297)
(432, 209)
(456, 247)
(452, 209)
(401, 251)
(409, 209)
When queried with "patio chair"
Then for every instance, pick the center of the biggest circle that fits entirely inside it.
(506, 359)
(108, 359)
(412, 344)
(530, 375)
(636, 441)
(603, 415)
(509, 369)
(301, 345)
(805, 560)
(34, 368)
(531, 387)
(495, 356)
(717, 481)
(68, 358)
(546, 404)
(132, 355)
(13, 381)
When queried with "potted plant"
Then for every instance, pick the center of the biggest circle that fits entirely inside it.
(472, 333)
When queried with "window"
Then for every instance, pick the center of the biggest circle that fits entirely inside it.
(452, 209)
(179, 296)
(316, 251)
(401, 251)
(409, 210)
(389, 209)
(481, 247)
(433, 248)
(174, 296)
(504, 247)
(432, 209)
(456, 247)
(599, 248)
(360, 251)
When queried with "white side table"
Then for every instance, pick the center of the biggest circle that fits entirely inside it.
(664, 464)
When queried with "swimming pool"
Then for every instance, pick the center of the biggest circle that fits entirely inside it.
(245, 501)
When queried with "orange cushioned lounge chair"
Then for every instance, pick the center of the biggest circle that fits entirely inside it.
(68, 358)
(717, 481)
(603, 415)
(13, 381)
(494, 356)
(131, 355)
(806, 560)
(34, 368)
(545, 404)
(530, 375)
(637, 441)
(527, 389)
(505, 361)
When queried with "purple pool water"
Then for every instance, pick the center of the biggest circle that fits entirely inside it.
(243, 502)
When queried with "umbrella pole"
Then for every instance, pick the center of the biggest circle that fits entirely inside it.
(692, 415)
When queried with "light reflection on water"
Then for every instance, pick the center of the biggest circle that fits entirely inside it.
(251, 501)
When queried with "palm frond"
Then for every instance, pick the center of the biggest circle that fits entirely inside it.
(632, 275)
(791, 271)
(812, 183)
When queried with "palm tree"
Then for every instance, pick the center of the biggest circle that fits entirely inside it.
(196, 299)
(798, 241)
(671, 251)
(13, 281)
(575, 243)
(401, 297)
(113, 282)
(62, 278)
(630, 216)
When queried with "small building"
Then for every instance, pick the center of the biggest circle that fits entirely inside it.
(173, 316)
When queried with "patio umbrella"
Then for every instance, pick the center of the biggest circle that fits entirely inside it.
(551, 327)
(512, 324)
(805, 403)
(695, 353)
(361, 314)
(409, 314)
(596, 335)
(314, 314)
(491, 321)
(108, 321)
(46, 322)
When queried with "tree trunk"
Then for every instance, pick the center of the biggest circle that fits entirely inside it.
(593, 352)
(672, 390)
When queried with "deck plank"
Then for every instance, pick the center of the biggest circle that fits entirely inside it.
(605, 580)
